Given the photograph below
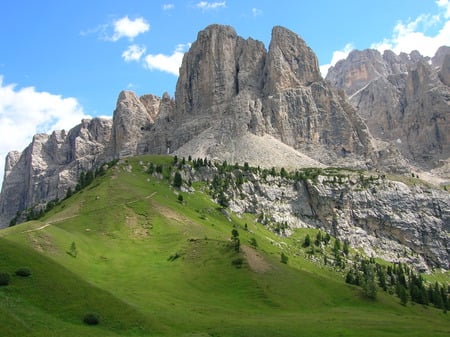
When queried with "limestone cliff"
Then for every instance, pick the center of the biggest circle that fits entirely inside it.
(398, 220)
(252, 93)
(404, 99)
(50, 165)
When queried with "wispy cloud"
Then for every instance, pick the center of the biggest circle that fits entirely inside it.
(205, 5)
(133, 53)
(166, 63)
(337, 55)
(125, 27)
(26, 111)
(411, 35)
(168, 7)
(256, 12)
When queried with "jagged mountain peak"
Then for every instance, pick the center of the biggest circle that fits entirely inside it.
(404, 100)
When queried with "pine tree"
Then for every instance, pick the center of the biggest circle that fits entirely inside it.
(177, 180)
(307, 241)
(369, 285)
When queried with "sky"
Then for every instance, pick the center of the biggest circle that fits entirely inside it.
(61, 61)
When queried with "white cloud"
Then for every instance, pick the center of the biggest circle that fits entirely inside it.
(168, 7)
(167, 63)
(337, 56)
(256, 12)
(445, 5)
(205, 5)
(125, 27)
(25, 112)
(133, 53)
(412, 35)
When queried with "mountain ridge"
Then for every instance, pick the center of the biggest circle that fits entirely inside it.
(404, 100)
(237, 101)
(249, 91)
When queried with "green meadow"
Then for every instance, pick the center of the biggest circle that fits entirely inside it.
(127, 250)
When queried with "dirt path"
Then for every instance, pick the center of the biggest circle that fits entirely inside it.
(255, 260)
(37, 229)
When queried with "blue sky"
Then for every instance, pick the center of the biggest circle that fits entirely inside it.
(61, 61)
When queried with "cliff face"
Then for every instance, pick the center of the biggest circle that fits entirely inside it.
(250, 92)
(397, 221)
(50, 165)
(404, 99)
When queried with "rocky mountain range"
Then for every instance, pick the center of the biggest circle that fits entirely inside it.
(237, 101)
(404, 100)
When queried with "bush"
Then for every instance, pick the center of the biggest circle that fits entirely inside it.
(91, 319)
(238, 262)
(284, 258)
(4, 279)
(24, 272)
(253, 242)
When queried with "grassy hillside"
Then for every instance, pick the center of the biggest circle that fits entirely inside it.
(128, 250)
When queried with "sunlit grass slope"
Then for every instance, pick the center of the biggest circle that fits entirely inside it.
(126, 249)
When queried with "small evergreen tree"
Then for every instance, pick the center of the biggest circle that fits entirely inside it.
(369, 285)
(177, 180)
(318, 238)
(307, 241)
(284, 258)
(402, 294)
(73, 250)
(235, 239)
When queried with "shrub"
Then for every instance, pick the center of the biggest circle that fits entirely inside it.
(24, 272)
(4, 279)
(91, 319)
(253, 242)
(238, 262)
(284, 258)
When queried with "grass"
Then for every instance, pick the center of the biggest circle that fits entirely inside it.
(128, 225)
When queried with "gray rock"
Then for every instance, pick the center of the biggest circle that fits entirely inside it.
(403, 100)
(50, 165)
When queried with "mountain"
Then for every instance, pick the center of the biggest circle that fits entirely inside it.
(404, 100)
(234, 101)
(237, 102)
(127, 250)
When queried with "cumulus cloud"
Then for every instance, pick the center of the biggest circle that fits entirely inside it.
(205, 5)
(337, 55)
(133, 53)
(445, 6)
(167, 63)
(412, 35)
(125, 27)
(426, 34)
(168, 7)
(25, 112)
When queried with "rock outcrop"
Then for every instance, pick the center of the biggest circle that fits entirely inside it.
(50, 165)
(397, 221)
(249, 92)
(404, 100)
